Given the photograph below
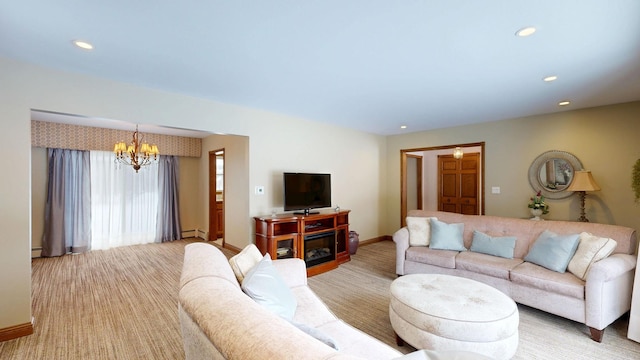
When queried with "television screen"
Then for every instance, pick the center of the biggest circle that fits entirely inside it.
(303, 191)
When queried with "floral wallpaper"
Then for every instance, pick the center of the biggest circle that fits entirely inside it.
(65, 136)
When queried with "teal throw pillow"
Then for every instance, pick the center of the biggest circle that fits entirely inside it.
(553, 251)
(266, 286)
(446, 236)
(496, 246)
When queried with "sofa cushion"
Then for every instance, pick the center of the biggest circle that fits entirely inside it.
(317, 334)
(446, 236)
(591, 248)
(355, 344)
(486, 264)
(502, 246)
(553, 251)
(419, 231)
(243, 261)
(264, 284)
(424, 255)
(538, 277)
(311, 310)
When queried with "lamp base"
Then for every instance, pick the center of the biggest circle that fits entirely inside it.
(582, 217)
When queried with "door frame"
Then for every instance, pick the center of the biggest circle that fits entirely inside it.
(419, 179)
(403, 173)
(213, 219)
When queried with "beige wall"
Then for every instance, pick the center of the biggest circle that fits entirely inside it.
(189, 193)
(38, 197)
(354, 159)
(604, 139)
(237, 222)
(276, 143)
(15, 205)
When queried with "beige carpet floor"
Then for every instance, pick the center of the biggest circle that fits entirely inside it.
(122, 304)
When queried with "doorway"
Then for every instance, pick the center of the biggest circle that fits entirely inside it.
(414, 182)
(216, 195)
(429, 175)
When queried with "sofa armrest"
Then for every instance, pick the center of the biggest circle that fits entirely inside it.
(611, 267)
(608, 290)
(401, 238)
(294, 271)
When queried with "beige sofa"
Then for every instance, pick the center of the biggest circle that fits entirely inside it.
(599, 300)
(218, 321)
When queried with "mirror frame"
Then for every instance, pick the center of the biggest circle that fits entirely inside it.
(534, 172)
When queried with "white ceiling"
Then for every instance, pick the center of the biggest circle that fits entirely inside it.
(371, 65)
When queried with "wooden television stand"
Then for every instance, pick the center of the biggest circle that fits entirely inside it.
(321, 239)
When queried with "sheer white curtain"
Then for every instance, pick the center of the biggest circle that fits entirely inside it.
(124, 204)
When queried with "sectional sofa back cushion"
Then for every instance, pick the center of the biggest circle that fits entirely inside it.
(527, 231)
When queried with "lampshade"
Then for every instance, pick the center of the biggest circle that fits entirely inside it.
(583, 181)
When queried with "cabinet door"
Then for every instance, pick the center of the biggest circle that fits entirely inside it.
(284, 247)
(342, 244)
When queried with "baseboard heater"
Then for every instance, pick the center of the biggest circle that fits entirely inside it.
(195, 233)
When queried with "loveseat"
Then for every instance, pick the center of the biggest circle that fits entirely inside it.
(596, 298)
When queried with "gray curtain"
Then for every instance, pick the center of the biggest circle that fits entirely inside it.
(168, 205)
(67, 225)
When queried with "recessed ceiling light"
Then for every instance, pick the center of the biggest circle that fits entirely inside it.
(83, 44)
(403, 126)
(550, 78)
(564, 103)
(526, 31)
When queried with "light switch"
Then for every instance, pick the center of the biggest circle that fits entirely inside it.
(495, 189)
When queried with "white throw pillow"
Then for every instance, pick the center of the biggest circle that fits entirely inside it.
(264, 284)
(419, 230)
(590, 249)
(246, 259)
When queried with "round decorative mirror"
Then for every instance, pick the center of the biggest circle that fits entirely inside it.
(552, 173)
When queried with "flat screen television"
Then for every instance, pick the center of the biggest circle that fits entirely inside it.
(305, 191)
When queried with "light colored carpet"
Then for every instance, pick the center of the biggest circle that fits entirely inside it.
(122, 304)
(357, 292)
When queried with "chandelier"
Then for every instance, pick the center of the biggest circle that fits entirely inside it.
(136, 154)
(457, 153)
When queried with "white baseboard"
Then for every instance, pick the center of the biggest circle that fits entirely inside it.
(36, 253)
(195, 233)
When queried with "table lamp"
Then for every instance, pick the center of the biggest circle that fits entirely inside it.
(583, 182)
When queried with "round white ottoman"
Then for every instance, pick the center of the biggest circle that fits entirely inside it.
(443, 312)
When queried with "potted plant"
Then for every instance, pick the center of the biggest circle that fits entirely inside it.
(538, 206)
(635, 180)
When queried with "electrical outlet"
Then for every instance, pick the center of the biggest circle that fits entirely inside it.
(259, 190)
